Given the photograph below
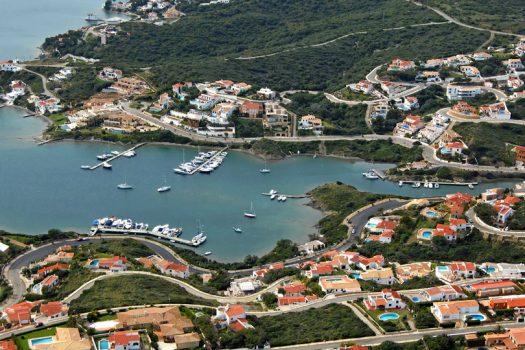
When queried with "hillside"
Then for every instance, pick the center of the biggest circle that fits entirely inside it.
(207, 43)
(502, 15)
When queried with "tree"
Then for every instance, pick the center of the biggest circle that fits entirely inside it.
(269, 299)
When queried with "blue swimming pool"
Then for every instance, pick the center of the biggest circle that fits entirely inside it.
(432, 214)
(93, 262)
(477, 317)
(371, 225)
(356, 276)
(426, 234)
(489, 269)
(43, 340)
(103, 344)
(388, 316)
(442, 268)
(416, 299)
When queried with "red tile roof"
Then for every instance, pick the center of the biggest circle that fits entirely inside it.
(235, 310)
(52, 308)
(7, 345)
(124, 337)
(492, 285)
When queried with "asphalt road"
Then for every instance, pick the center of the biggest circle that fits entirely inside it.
(13, 269)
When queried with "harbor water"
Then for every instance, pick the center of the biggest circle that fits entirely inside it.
(43, 187)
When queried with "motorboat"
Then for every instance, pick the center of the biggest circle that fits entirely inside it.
(180, 171)
(400, 183)
(85, 167)
(237, 229)
(164, 189)
(207, 253)
(436, 185)
(425, 184)
(115, 153)
(205, 170)
(106, 165)
(265, 171)
(250, 214)
(272, 196)
(272, 191)
(283, 198)
(471, 186)
(430, 185)
(371, 175)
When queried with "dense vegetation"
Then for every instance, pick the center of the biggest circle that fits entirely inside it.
(204, 45)
(130, 248)
(517, 221)
(339, 119)
(488, 143)
(377, 151)
(517, 109)
(327, 323)
(339, 200)
(508, 15)
(132, 290)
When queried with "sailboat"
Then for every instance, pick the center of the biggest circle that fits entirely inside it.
(164, 188)
(125, 185)
(237, 229)
(265, 170)
(251, 213)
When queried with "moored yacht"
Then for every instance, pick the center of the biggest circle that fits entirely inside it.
(250, 214)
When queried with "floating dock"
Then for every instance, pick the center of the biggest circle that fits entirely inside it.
(293, 196)
(217, 154)
(440, 183)
(110, 230)
(117, 156)
(379, 174)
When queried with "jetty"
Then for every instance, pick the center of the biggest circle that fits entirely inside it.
(445, 183)
(379, 174)
(121, 231)
(293, 196)
(217, 154)
(47, 141)
(29, 115)
(117, 156)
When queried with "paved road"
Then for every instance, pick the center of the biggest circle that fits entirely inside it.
(44, 81)
(455, 21)
(485, 228)
(401, 337)
(14, 268)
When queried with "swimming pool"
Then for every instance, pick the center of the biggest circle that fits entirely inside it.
(477, 317)
(93, 262)
(43, 340)
(426, 234)
(388, 316)
(442, 268)
(489, 269)
(103, 344)
(416, 299)
(432, 213)
(357, 276)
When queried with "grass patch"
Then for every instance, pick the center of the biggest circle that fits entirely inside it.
(21, 341)
(132, 290)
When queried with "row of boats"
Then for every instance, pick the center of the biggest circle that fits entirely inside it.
(126, 186)
(106, 156)
(373, 175)
(279, 197)
(163, 231)
(204, 162)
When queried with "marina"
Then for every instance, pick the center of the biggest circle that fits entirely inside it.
(107, 161)
(204, 162)
(66, 197)
(107, 225)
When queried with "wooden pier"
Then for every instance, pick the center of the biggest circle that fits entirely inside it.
(293, 196)
(117, 156)
(110, 230)
(217, 154)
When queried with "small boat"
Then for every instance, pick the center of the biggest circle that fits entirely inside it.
(272, 197)
(115, 153)
(283, 198)
(436, 185)
(92, 18)
(265, 170)
(106, 165)
(207, 253)
(430, 185)
(471, 186)
(272, 191)
(124, 186)
(250, 214)
(416, 185)
(173, 241)
(400, 183)
(85, 167)
(180, 171)
(164, 188)
(315, 155)
(371, 175)
(237, 229)
(425, 184)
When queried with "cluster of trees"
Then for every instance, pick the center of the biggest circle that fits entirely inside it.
(488, 143)
(342, 119)
(517, 220)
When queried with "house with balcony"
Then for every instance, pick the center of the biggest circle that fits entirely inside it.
(410, 125)
(495, 111)
(387, 300)
(454, 311)
(340, 284)
(311, 122)
(457, 92)
(399, 64)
